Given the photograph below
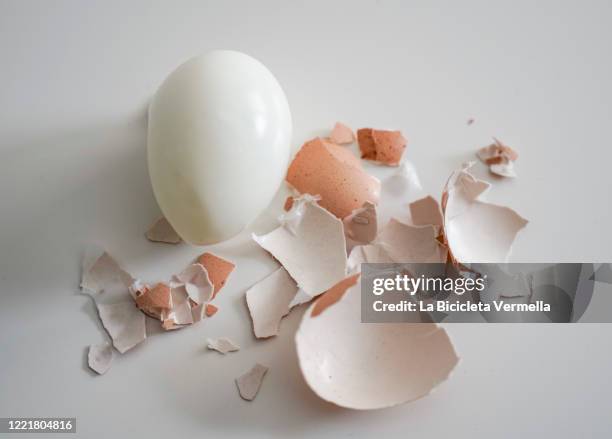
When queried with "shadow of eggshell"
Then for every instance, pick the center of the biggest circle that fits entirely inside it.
(333, 172)
(370, 366)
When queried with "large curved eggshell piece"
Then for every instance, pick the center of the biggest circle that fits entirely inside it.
(374, 365)
(219, 139)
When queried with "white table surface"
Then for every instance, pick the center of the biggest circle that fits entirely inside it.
(75, 80)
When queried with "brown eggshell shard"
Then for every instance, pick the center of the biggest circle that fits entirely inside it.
(333, 172)
(288, 204)
(152, 301)
(162, 231)
(477, 231)
(218, 269)
(366, 143)
(426, 211)
(390, 146)
(361, 225)
(211, 310)
(333, 295)
(250, 383)
(311, 246)
(370, 366)
(382, 146)
(341, 134)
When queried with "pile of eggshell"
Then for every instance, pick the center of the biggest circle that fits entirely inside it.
(329, 228)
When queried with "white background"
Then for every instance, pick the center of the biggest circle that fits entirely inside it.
(75, 80)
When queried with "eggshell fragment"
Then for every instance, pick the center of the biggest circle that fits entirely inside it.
(196, 282)
(218, 269)
(162, 231)
(325, 169)
(382, 146)
(250, 383)
(504, 169)
(268, 302)
(314, 253)
(499, 157)
(124, 323)
(222, 345)
(477, 231)
(108, 284)
(362, 254)
(341, 134)
(211, 310)
(361, 225)
(102, 274)
(180, 315)
(426, 211)
(406, 243)
(333, 295)
(100, 357)
(371, 366)
(288, 204)
(153, 301)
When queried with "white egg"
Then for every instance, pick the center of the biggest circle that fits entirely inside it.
(219, 139)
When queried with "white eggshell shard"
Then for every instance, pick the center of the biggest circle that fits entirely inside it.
(477, 231)
(310, 246)
(370, 366)
(219, 139)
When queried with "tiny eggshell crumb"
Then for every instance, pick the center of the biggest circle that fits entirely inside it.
(342, 134)
(288, 204)
(218, 269)
(211, 310)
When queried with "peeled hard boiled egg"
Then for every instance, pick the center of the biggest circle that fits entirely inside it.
(219, 139)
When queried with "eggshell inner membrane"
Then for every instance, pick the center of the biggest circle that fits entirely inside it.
(370, 366)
